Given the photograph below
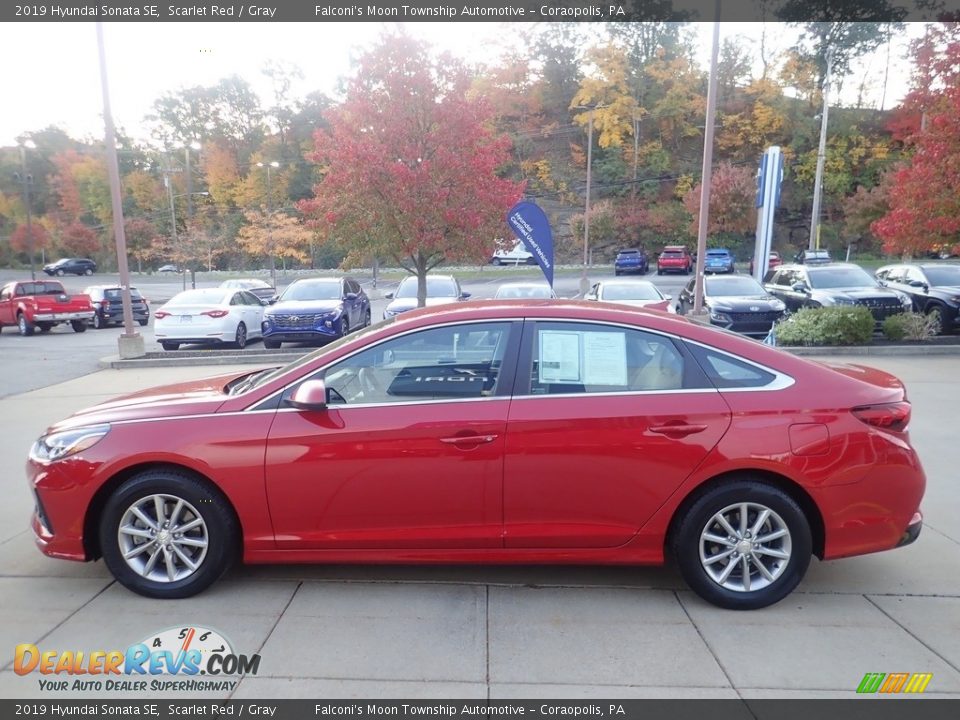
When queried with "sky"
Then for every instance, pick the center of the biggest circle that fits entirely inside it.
(51, 74)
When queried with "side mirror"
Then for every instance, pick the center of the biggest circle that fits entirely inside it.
(265, 301)
(917, 283)
(464, 295)
(351, 296)
(388, 296)
(668, 297)
(273, 300)
(311, 395)
(799, 287)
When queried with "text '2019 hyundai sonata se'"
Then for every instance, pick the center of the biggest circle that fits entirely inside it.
(494, 432)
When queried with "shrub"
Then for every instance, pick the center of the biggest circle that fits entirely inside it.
(909, 326)
(838, 325)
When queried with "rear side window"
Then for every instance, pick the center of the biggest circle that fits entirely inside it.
(726, 371)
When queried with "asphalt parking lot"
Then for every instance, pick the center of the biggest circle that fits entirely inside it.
(507, 632)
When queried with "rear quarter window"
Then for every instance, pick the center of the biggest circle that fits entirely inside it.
(729, 372)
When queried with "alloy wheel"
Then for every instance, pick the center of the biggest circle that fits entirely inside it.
(745, 547)
(163, 538)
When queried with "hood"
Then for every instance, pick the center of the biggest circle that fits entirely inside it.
(861, 293)
(292, 307)
(660, 304)
(194, 397)
(744, 303)
(404, 304)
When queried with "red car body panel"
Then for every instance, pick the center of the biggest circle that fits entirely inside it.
(563, 478)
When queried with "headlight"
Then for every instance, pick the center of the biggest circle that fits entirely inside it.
(67, 442)
(844, 301)
(388, 313)
(335, 311)
(778, 305)
(905, 300)
(719, 316)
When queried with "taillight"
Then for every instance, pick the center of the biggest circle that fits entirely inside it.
(161, 314)
(893, 416)
(214, 313)
(105, 304)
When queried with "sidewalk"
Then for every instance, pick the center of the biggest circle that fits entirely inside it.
(509, 632)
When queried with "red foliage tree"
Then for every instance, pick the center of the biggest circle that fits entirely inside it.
(78, 240)
(410, 163)
(733, 192)
(19, 240)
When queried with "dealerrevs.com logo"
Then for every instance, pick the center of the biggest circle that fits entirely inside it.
(171, 660)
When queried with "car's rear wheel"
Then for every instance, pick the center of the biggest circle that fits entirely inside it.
(938, 317)
(167, 534)
(143, 323)
(24, 326)
(240, 338)
(98, 322)
(743, 545)
(78, 326)
(496, 261)
(170, 345)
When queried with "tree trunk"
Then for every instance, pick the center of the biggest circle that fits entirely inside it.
(420, 264)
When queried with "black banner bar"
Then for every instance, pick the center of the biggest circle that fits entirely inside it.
(478, 11)
(875, 708)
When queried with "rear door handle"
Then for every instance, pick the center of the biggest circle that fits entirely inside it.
(469, 439)
(678, 430)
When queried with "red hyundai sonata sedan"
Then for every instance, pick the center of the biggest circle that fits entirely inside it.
(494, 432)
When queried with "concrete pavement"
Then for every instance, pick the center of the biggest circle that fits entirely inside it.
(509, 632)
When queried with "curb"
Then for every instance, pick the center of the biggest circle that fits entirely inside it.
(262, 357)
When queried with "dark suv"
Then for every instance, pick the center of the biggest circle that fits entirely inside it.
(934, 289)
(801, 286)
(813, 257)
(631, 260)
(74, 266)
(108, 305)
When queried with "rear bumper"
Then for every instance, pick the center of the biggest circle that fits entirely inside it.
(62, 316)
(913, 530)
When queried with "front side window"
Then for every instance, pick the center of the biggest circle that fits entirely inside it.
(584, 358)
(452, 362)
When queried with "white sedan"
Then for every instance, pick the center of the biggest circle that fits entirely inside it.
(215, 315)
(638, 293)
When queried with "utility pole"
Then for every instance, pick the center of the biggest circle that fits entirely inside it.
(26, 180)
(130, 342)
(821, 157)
(706, 170)
(273, 260)
(173, 228)
(584, 281)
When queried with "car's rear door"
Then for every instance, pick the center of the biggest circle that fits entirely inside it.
(607, 421)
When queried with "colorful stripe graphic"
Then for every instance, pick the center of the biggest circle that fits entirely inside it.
(894, 682)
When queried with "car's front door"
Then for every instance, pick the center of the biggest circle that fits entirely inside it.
(607, 423)
(408, 453)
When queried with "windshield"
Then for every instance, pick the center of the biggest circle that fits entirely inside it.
(943, 274)
(720, 253)
(841, 277)
(735, 286)
(244, 284)
(632, 291)
(324, 290)
(214, 296)
(436, 287)
(259, 378)
(117, 294)
(629, 253)
(40, 288)
(524, 291)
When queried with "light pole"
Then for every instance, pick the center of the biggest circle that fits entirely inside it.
(173, 226)
(821, 157)
(186, 156)
(273, 261)
(584, 281)
(26, 180)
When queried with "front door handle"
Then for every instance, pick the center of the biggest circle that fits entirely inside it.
(677, 430)
(469, 439)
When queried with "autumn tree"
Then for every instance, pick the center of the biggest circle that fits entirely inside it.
(274, 235)
(410, 163)
(733, 213)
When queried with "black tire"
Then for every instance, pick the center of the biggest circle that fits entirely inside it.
(240, 338)
(531, 261)
(272, 344)
(219, 530)
(496, 261)
(367, 318)
(59, 273)
(726, 498)
(344, 326)
(99, 322)
(25, 327)
(143, 323)
(45, 327)
(88, 271)
(940, 317)
(170, 345)
(659, 271)
(78, 326)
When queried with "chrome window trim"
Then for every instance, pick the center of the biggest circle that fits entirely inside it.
(379, 342)
(781, 381)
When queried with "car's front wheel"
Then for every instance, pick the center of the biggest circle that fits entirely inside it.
(170, 345)
(743, 545)
(271, 344)
(167, 534)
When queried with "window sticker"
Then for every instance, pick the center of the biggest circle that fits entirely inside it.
(559, 357)
(605, 358)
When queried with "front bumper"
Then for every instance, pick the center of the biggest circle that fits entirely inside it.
(913, 530)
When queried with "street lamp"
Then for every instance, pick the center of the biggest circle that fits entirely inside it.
(26, 180)
(584, 282)
(173, 225)
(187, 147)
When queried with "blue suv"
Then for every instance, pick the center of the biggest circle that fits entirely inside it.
(315, 309)
(631, 260)
(718, 260)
